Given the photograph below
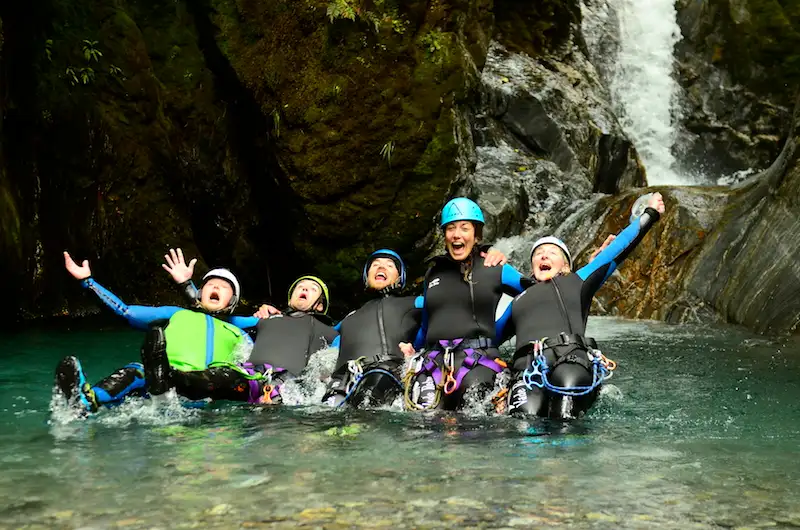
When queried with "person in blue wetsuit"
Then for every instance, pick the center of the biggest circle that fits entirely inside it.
(458, 321)
(193, 338)
(370, 360)
(285, 342)
(549, 321)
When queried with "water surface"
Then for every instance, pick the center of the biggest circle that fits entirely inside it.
(699, 429)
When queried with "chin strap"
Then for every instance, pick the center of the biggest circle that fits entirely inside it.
(389, 290)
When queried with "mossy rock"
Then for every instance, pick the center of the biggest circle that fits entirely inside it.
(362, 96)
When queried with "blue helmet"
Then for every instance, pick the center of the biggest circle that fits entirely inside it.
(394, 256)
(461, 209)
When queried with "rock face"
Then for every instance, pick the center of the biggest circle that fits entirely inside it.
(361, 98)
(739, 68)
(718, 254)
(276, 138)
(543, 133)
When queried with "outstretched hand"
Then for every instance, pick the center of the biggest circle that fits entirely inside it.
(176, 266)
(656, 202)
(493, 257)
(79, 272)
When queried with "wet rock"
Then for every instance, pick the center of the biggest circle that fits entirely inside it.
(220, 509)
(599, 516)
(717, 253)
(545, 137)
(735, 112)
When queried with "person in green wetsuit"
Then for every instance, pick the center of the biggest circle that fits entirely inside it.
(193, 339)
(285, 342)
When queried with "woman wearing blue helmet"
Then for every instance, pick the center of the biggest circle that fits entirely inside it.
(370, 359)
(458, 322)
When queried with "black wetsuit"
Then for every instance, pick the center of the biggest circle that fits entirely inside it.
(557, 310)
(373, 332)
(460, 303)
(288, 340)
(284, 344)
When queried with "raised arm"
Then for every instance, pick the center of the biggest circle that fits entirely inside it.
(137, 316)
(597, 272)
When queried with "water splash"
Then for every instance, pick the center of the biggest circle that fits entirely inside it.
(639, 65)
(309, 388)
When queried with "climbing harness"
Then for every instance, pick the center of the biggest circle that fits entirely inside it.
(446, 379)
(357, 374)
(263, 379)
(536, 375)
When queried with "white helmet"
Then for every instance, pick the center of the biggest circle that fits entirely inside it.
(551, 240)
(225, 274)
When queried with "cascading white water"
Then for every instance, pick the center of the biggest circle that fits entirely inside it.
(640, 73)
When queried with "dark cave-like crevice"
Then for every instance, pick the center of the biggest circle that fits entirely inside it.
(277, 206)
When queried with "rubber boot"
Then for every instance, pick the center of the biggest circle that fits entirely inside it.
(71, 382)
(424, 392)
(155, 361)
(522, 401)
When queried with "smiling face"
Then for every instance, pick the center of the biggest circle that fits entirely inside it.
(460, 239)
(216, 295)
(382, 273)
(306, 296)
(548, 262)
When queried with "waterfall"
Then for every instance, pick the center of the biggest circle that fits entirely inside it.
(632, 43)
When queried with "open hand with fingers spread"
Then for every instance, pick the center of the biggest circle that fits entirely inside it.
(176, 266)
(79, 272)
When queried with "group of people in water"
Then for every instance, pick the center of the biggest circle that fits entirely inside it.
(436, 350)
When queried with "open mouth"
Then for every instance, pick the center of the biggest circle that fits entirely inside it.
(214, 297)
(458, 245)
(380, 276)
(544, 267)
(303, 296)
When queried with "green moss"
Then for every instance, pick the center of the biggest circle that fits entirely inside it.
(534, 27)
(763, 46)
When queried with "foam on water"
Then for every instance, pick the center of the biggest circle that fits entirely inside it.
(309, 388)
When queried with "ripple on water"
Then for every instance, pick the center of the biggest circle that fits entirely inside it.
(673, 442)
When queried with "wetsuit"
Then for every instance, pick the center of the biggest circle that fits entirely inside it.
(284, 345)
(459, 318)
(195, 340)
(555, 312)
(370, 361)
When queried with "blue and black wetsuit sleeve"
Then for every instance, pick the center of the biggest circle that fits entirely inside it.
(513, 284)
(422, 318)
(513, 280)
(190, 292)
(138, 316)
(338, 327)
(504, 327)
(244, 322)
(597, 272)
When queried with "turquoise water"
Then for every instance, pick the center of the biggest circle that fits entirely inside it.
(699, 429)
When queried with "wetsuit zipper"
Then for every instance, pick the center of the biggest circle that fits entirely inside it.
(472, 299)
(382, 329)
(562, 307)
